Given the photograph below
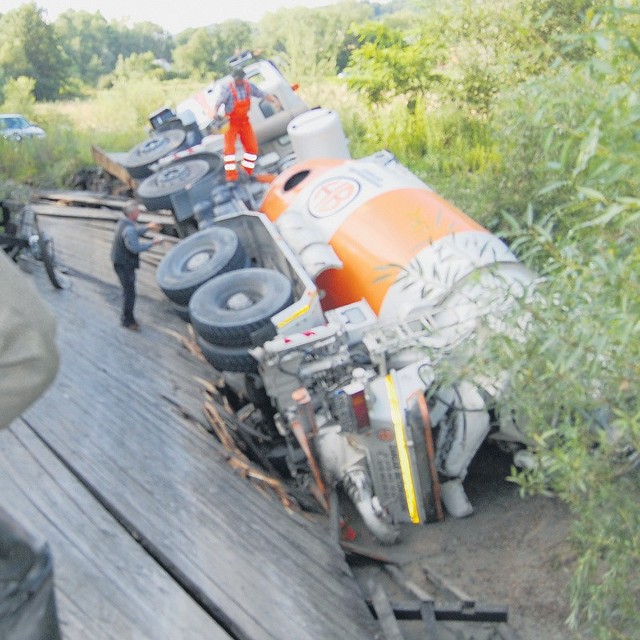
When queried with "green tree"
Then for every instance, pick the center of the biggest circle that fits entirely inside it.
(206, 51)
(312, 51)
(142, 37)
(94, 46)
(29, 47)
(86, 39)
(137, 65)
(19, 96)
(386, 64)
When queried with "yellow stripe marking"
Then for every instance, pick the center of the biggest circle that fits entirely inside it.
(293, 316)
(300, 312)
(403, 451)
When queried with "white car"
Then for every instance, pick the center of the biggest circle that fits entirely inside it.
(14, 126)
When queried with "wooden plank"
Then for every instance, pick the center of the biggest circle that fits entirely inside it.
(447, 590)
(103, 213)
(87, 199)
(171, 476)
(262, 572)
(426, 601)
(107, 586)
(111, 163)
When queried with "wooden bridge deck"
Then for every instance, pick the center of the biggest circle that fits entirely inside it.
(153, 534)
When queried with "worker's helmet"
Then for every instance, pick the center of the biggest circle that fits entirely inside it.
(237, 73)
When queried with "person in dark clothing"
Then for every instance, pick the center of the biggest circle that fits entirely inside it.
(125, 251)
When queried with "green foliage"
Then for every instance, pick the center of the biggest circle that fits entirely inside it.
(43, 162)
(309, 41)
(205, 52)
(29, 47)
(86, 41)
(567, 184)
(75, 51)
(19, 96)
(114, 119)
(138, 66)
(128, 103)
(385, 65)
(530, 126)
(142, 37)
(607, 541)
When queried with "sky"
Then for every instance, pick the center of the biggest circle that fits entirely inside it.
(173, 15)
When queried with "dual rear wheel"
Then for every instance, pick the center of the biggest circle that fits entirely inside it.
(229, 304)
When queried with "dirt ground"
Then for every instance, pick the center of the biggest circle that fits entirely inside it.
(511, 551)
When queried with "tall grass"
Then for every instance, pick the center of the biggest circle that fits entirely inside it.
(438, 143)
(115, 119)
(445, 146)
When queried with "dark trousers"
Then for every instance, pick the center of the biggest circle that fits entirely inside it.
(127, 276)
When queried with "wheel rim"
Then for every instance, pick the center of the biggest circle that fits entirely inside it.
(154, 148)
(150, 146)
(173, 179)
(168, 177)
(239, 302)
(197, 260)
(233, 307)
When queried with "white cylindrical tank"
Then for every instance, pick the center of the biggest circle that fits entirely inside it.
(318, 134)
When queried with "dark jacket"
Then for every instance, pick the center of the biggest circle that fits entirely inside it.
(126, 244)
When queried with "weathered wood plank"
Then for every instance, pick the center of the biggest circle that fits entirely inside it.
(112, 163)
(143, 461)
(107, 586)
(264, 573)
(78, 212)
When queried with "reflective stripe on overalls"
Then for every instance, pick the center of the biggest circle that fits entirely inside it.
(239, 125)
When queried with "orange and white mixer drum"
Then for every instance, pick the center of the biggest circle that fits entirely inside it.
(403, 247)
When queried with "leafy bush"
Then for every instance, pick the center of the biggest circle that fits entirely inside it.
(567, 186)
(540, 143)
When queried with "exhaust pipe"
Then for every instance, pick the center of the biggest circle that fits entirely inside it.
(348, 464)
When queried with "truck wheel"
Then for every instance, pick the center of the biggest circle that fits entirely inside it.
(228, 358)
(155, 191)
(196, 259)
(228, 309)
(182, 311)
(216, 163)
(143, 155)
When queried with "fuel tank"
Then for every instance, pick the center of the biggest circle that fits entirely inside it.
(403, 248)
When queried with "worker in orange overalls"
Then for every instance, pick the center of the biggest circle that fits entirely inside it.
(236, 98)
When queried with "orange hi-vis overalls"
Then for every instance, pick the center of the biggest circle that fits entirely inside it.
(239, 125)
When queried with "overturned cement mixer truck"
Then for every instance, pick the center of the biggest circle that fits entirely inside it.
(333, 288)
